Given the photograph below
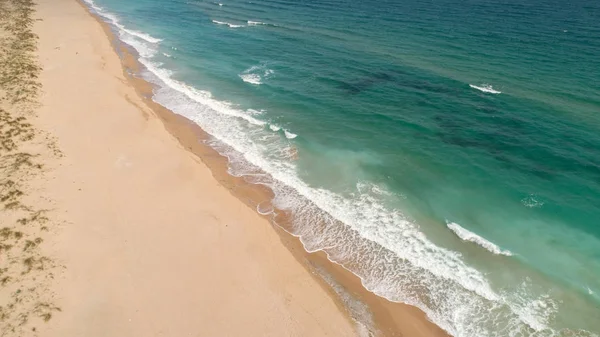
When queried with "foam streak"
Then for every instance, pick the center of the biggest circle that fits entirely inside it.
(466, 235)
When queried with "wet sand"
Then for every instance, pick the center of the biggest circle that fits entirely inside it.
(152, 244)
(155, 237)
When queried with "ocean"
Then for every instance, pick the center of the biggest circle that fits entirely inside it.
(446, 152)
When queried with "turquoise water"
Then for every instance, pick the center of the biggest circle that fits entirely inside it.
(447, 152)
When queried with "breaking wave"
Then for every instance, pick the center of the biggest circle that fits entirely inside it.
(485, 88)
(359, 231)
(467, 235)
(256, 74)
(289, 135)
(230, 25)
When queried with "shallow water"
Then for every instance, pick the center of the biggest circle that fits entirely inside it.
(446, 152)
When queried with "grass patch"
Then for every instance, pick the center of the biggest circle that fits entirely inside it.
(21, 262)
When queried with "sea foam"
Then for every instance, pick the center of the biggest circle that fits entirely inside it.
(115, 21)
(230, 25)
(389, 253)
(251, 78)
(467, 235)
(289, 135)
(141, 35)
(256, 74)
(485, 88)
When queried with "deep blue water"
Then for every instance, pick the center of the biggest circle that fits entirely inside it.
(447, 152)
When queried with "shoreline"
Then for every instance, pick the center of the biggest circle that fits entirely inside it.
(388, 318)
(149, 242)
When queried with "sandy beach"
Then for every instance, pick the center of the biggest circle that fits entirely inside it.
(128, 232)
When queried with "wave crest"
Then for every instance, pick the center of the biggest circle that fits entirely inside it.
(388, 252)
(467, 235)
(289, 135)
(485, 88)
(255, 23)
(115, 21)
(230, 25)
(256, 74)
(251, 78)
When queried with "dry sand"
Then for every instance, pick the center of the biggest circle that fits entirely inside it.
(138, 237)
(152, 245)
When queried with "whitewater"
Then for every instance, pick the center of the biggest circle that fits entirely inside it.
(396, 260)
(467, 235)
(485, 88)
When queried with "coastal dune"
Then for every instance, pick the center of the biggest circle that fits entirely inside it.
(150, 243)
